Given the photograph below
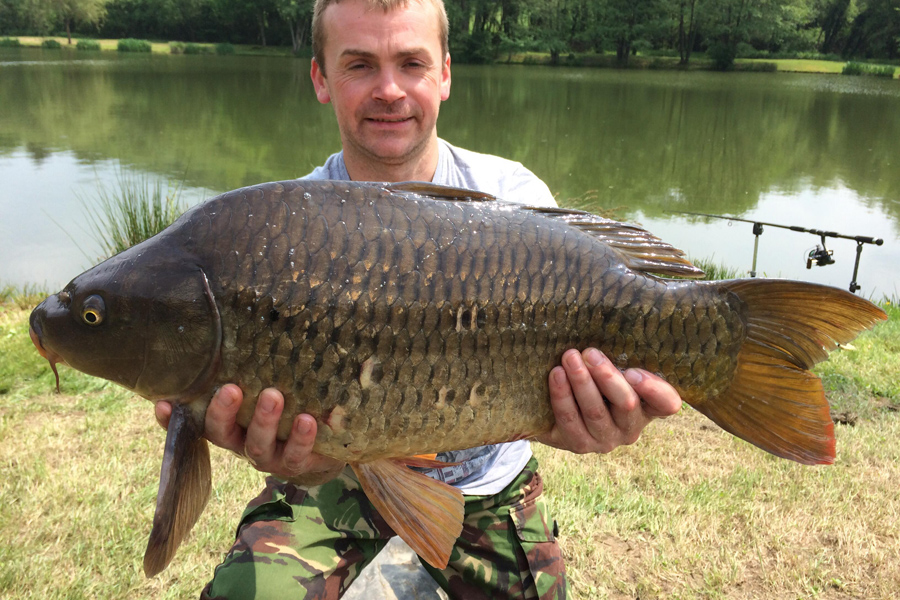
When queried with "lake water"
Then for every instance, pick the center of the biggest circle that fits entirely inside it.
(814, 151)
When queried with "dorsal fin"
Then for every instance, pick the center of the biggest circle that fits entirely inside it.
(640, 250)
(439, 192)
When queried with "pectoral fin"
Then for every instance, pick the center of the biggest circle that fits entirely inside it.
(184, 485)
(426, 513)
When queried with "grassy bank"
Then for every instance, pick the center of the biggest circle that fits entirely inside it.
(157, 47)
(687, 512)
(698, 63)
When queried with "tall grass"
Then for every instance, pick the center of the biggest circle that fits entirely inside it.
(715, 270)
(135, 210)
(10, 42)
(21, 297)
(133, 45)
(51, 44)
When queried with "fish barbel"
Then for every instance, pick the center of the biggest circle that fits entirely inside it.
(412, 319)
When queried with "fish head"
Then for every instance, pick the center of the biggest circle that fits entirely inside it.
(145, 319)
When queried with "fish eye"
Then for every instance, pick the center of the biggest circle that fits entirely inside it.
(93, 311)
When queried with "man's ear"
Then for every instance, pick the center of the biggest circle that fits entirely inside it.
(317, 75)
(445, 78)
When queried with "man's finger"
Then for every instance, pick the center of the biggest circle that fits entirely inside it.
(660, 399)
(581, 415)
(299, 445)
(162, 411)
(261, 443)
(221, 428)
(623, 402)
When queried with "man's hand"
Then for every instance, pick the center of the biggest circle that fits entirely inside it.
(292, 459)
(598, 408)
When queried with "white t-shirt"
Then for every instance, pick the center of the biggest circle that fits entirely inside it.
(484, 470)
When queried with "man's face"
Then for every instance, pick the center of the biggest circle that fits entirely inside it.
(386, 78)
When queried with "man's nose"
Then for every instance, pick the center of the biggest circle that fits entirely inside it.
(388, 87)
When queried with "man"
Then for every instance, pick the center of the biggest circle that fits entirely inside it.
(385, 68)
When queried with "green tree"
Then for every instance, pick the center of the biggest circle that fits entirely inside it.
(875, 31)
(79, 12)
(629, 21)
(298, 16)
(688, 19)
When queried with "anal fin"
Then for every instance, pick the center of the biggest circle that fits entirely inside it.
(426, 513)
(185, 482)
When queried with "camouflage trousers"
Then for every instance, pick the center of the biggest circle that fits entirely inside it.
(296, 542)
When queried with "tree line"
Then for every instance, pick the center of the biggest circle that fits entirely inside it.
(489, 30)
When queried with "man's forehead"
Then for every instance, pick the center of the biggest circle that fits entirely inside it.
(354, 25)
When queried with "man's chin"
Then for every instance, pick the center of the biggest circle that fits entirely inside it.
(393, 151)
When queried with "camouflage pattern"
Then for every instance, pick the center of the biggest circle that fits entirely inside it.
(296, 542)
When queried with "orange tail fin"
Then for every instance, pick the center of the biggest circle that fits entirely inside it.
(774, 401)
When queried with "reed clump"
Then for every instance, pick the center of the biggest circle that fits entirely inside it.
(133, 45)
(88, 45)
(51, 44)
(857, 68)
(137, 209)
(10, 42)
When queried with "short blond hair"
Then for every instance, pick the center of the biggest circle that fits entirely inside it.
(318, 31)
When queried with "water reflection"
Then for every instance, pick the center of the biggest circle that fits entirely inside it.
(815, 151)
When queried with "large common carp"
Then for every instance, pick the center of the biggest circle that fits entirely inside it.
(412, 319)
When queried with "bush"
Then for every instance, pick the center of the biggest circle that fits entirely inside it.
(224, 49)
(133, 45)
(722, 54)
(51, 43)
(10, 43)
(197, 49)
(87, 45)
(176, 47)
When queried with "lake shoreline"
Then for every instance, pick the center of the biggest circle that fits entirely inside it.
(588, 61)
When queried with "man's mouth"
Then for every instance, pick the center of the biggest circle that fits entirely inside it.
(389, 119)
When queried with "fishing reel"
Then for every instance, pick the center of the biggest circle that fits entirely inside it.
(820, 255)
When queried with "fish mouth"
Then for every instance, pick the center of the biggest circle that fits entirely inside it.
(34, 330)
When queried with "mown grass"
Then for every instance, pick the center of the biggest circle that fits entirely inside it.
(688, 512)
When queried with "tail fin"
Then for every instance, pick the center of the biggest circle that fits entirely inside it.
(774, 402)
(184, 486)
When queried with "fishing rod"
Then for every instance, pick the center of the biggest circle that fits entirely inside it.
(821, 256)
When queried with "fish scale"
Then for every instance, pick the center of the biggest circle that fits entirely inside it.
(410, 319)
